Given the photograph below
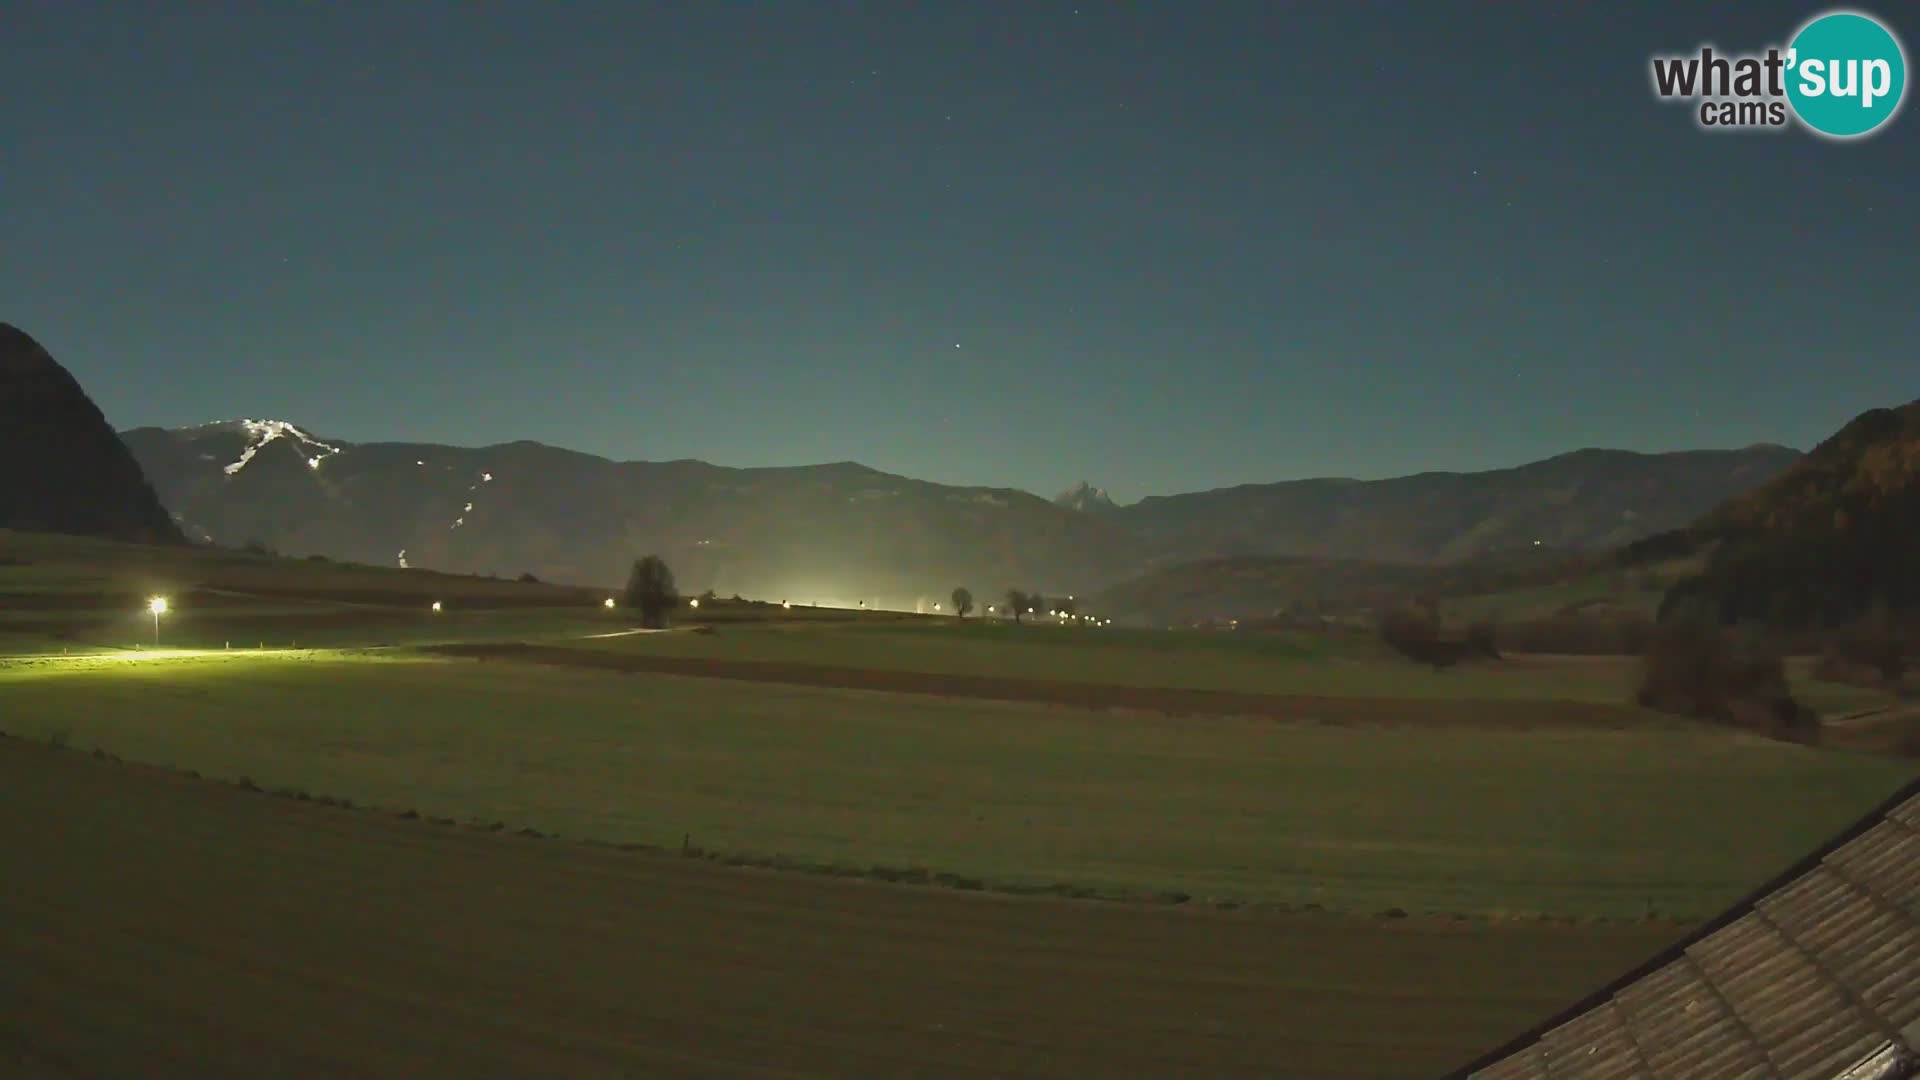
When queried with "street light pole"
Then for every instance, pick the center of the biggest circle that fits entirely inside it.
(158, 606)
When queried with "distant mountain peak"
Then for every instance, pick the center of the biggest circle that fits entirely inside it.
(1084, 496)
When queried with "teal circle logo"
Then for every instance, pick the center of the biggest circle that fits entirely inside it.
(1846, 74)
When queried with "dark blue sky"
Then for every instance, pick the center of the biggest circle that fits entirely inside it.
(1178, 245)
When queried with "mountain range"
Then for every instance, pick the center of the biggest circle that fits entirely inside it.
(845, 532)
(836, 533)
(841, 533)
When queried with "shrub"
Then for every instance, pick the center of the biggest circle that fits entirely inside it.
(528, 579)
(1414, 632)
(1696, 666)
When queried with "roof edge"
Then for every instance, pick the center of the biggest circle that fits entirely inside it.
(1668, 955)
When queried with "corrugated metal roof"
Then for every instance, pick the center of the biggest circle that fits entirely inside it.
(1816, 975)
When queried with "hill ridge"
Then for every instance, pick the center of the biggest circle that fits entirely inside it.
(62, 467)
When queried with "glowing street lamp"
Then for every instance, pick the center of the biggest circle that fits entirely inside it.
(694, 603)
(609, 603)
(157, 607)
(436, 605)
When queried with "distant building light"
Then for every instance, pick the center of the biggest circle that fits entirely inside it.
(695, 602)
(609, 601)
(436, 605)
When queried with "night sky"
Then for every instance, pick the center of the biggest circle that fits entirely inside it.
(1162, 247)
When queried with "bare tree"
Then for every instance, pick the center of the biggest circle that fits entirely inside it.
(650, 589)
(962, 601)
(1018, 602)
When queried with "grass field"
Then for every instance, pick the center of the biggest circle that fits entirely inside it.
(1481, 845)
(184, 927)
(1301, 664)
(1359, 819)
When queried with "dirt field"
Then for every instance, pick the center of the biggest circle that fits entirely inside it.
(1445, 712)
(186, 927)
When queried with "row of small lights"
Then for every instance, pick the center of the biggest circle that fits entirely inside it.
(157, 606)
